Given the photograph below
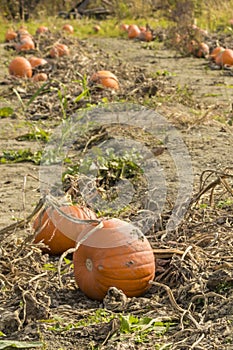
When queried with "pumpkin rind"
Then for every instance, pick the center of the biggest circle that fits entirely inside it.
(128, 267)
(58, 232)
(20, 67)
(133, 31)
(106, 79)
(225, 57)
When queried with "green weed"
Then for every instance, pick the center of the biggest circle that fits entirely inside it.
(26, 155)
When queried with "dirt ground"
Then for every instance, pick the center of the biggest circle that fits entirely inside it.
(195, 310)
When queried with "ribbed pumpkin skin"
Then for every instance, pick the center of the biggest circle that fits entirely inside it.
(128, 267)
(58, 232)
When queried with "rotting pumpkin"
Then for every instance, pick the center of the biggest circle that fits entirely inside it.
(58, 231)
(116, 255)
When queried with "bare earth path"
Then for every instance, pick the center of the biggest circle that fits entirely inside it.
(33, 304)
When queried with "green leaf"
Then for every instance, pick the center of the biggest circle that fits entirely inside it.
(6, 112)
(9, 344)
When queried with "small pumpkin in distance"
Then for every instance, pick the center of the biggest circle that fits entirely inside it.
(96, 28)
(117, 255)
(25, 44)
(40, 77)
(41, 30)
(59, 50)
(133, 31)
(10, 35)
(57, 231)
(20, 67)
(37, 61)
(202, 50)
(68, 28)
(106, 79)
(124, 27)
(145, 35)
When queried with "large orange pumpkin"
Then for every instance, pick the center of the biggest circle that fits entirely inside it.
(225, 57)
(20, 67)
(106, 79)
(117, 255)
(58, 232)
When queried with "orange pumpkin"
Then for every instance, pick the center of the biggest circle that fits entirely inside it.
(133, 31)
(142, 28)
(40, 77)
(68, 28)
(215, 52)
(96, 28)
(37, 61)
(202, 50)
(41, 30)
(25, 44)
(124, 27)
(10, 35)
(58, 232)
(225, 57)
(145, 35)
(106, 79)
(59, 50)
(117, 255)
(20, 67)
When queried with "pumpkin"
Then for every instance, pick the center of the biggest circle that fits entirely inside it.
(58, 232)
(202, 50)
(41, 30)
(124, 27)
(142, 28)
(106, 79)
(68, 28)
(25, 44)
(145, 35)
(133, 31)
(37, 61)
(215, 52)
(40, 77)
(117, 255)
(96, 28)
(59, 50)
(225, 57)
(10, 35)
(20, 67)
